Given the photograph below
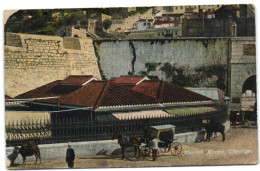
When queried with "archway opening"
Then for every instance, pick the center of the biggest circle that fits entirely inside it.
(249, 99)
(250, 84)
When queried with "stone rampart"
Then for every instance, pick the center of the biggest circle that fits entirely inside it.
(34, 60)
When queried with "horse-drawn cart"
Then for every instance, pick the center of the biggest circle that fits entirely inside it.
(166, 142)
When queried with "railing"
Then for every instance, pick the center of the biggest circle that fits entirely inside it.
(76, 129)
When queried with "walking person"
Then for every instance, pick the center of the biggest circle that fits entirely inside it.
(154, 144)
(70, 156)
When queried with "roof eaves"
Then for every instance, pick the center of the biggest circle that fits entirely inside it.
(152, 106)
(60, 105)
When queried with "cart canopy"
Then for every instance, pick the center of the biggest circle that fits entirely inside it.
(163, 127)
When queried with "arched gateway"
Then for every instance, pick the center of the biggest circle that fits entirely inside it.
(243, 73)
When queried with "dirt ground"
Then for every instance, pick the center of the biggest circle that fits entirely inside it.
(240, 147)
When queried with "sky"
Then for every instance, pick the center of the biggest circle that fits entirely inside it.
(50, 4)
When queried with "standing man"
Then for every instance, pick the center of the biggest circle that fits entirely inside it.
(70, 156)
(155, 147)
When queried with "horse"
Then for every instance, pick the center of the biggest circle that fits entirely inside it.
(214, 128)
(29, 149)
(132, 142)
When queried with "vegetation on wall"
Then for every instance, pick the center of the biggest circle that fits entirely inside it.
(46, 22)
(140, 10)
(204, 76)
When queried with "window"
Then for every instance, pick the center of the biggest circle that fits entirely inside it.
(176, 33)
(249, 49)
(181, 7)
(176, 8)
(144, 24)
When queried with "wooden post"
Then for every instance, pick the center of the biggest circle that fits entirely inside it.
(91, 117)
(58, 103)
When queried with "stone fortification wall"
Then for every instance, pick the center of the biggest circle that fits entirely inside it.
(131, 55)
(242, 66)
(34, 60)
(87, 148)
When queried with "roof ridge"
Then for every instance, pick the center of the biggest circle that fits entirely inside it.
(159, 94)
(101, 95)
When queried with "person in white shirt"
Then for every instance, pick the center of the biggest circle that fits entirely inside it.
(154, 144)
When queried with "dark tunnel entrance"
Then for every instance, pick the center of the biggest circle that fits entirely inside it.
(250, 84)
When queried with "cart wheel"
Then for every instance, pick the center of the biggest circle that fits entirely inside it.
(176, 148)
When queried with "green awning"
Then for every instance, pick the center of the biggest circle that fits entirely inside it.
(189, 110)
(163, 127)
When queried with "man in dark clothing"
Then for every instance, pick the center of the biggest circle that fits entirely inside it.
(70, 156)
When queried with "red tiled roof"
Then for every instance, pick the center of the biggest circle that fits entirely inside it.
(166, 92)
(52, 89)
(86, 95)
(106, 93)
(167, 22)
(76, 79)
(116, 94)
(171, 15)
(149, 88)
(93, 94)
(43, 91)
(126, 79)
(7, 97)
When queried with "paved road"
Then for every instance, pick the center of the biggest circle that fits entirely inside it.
(240, 147)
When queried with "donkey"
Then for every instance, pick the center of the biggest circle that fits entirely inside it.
(28, 150)
(214, 128)
(133, 142)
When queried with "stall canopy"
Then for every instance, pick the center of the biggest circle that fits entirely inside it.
(141, 114)
(189, 110)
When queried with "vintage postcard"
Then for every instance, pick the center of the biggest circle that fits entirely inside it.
(149, 86)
